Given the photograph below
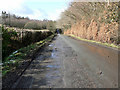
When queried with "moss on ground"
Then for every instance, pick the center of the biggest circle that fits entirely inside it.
(105, 44)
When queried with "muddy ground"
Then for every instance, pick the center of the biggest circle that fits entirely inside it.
(70, 63)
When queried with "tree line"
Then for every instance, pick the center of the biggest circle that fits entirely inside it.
(24, 22)
(78, 11)
(97, 21)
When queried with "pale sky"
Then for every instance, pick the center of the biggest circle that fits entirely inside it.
(35, 9)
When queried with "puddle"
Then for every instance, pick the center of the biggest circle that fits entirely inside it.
(53, 75)
(51, 45)
(53, 51)
(47, 67)
(53, 54)
(53, 66)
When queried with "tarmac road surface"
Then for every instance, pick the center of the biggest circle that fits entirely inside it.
(71, 63)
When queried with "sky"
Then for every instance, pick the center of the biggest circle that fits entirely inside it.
(35, 9)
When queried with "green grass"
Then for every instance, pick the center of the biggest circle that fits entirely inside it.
(13, 60)
(105, 44)
(5, 72)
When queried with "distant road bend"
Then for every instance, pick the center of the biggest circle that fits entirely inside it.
(71, 63)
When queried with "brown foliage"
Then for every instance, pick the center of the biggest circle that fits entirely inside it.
(103, 33)
(93, 20)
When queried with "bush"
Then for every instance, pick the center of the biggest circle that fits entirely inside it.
(11, 41)
(7, 42)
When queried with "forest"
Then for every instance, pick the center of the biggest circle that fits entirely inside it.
(98, 21)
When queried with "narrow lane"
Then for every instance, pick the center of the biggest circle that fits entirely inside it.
(69, 63)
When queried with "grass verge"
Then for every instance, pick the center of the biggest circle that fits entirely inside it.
(17, 57)
(105, 44)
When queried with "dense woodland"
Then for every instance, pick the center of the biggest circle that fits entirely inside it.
(92, 20)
